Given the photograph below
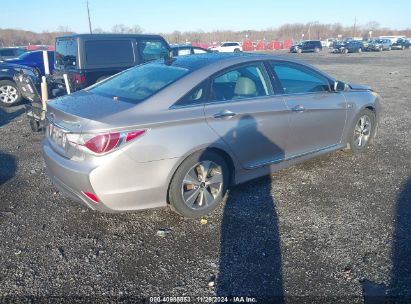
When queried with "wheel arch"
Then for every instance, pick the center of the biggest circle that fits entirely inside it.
(216, 149)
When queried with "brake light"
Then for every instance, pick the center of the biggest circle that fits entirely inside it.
(107, 142)
(91, 196)
(79, 79)
(103, 143)
(132, 135)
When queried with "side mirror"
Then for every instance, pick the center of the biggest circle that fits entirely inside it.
(339, 86)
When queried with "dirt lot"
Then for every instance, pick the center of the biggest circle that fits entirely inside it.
(332, 229)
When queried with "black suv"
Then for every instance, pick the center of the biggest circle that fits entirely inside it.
(88, 58)
(307, 46)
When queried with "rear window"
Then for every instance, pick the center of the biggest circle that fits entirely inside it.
(66, 53)
(109, 52)
(140, 82)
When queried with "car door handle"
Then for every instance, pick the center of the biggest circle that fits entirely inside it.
(298, 108)
(224, 114)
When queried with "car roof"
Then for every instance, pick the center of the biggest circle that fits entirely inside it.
(199, 61)
(110, 36)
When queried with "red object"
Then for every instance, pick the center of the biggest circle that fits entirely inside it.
(287, 43)
(202, 45)
(103, 143)
(132, 135)
(248, 45)
(79, 79)
(261, 46)
(91, 196)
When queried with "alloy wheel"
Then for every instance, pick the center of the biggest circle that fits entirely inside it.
(362, 131)
(8, 94)
(202, 184)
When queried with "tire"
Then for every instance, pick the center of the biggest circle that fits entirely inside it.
(237, 51)
(316, 50)
(34, 125)
(345, 51)
(366, 117)
(380, 49)
(360, 50)
(299, 51)
(189, 194)
(9, 94)
(403, 47)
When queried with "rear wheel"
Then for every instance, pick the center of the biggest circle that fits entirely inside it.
(316, 50)
(9, 93)
(237, 51)
(359, 50)
(363, 131)
(199, 184)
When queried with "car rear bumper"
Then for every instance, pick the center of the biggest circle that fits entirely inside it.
(120, 183)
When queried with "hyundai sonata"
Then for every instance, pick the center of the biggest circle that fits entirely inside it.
(178, 132)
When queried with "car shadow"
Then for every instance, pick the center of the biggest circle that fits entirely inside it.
(6, 117)
(250, 253)
(400, 287)
(7, 167)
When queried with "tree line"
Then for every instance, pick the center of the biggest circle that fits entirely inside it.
(295, 31)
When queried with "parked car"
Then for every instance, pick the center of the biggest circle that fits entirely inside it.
(227, 47)
(307, 46)
(34, 60)
(352, 46)
(10, 94)
(7, 53)
(132, 142)
(180, 50)
(379, 45)
(401, 44)
(88, 59)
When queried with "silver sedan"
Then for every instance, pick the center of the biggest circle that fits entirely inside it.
(179, 132)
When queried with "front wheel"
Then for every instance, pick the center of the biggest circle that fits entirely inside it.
(199, 184)
(363, 131)
(9, 94)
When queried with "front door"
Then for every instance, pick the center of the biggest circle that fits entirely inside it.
(318, 114)
(243, 111)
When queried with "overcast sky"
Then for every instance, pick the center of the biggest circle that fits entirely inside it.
(189, 15)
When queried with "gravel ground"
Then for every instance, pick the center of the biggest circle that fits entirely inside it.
(334, 229)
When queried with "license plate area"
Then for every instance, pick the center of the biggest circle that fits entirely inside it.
(57, 135)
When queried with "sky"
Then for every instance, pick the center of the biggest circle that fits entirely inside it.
(162, 16)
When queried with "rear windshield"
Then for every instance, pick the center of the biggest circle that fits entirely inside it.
(66, 53)
(140, 82)
(109, 52)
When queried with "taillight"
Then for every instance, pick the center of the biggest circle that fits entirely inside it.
(91, 196)
(79, 78)
(107, 142)
(103, 143)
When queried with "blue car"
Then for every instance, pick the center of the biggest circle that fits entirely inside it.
(34, 60)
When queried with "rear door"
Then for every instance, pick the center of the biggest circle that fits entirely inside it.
(317, 115)
(243, 111)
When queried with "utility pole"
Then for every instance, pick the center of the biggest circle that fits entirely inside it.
(355, 26)
(89, 20)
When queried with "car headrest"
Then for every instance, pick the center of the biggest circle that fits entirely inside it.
(245, 87)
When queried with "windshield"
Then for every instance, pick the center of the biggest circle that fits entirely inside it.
(139, 83)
